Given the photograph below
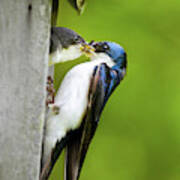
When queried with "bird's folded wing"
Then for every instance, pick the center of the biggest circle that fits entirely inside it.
(103, 82)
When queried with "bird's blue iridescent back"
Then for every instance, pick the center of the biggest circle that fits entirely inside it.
(111, 77)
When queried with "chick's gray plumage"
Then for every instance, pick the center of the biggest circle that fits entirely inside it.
(62, 37)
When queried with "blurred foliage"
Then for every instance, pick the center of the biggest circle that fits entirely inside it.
(138, 137)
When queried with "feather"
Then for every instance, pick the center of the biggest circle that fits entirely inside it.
(77, 147)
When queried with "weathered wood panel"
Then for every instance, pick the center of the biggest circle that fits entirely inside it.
(24, 42)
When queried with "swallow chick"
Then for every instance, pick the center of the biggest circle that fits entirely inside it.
(66, 45)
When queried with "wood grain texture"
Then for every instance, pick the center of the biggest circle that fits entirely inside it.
(24, 45)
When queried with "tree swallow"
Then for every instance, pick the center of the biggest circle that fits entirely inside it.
(66, 45)
(74, 116)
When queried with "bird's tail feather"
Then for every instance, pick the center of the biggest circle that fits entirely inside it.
(50, 160)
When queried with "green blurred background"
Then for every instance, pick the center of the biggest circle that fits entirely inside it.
(138, 137)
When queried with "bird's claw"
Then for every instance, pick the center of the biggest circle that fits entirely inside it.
(50, 91)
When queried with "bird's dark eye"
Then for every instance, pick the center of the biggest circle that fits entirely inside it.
(101, 46)
(76, 39)
(105, 46)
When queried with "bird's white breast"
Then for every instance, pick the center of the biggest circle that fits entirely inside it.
(62, 55)
(72, 99)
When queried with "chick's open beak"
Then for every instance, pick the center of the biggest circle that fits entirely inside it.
(87, 49)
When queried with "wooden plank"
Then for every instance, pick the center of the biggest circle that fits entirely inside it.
(24, 45)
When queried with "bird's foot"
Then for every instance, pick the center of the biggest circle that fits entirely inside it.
(50, 91)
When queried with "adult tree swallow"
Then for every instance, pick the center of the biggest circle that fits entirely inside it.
(74, 116)
(66, 45)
